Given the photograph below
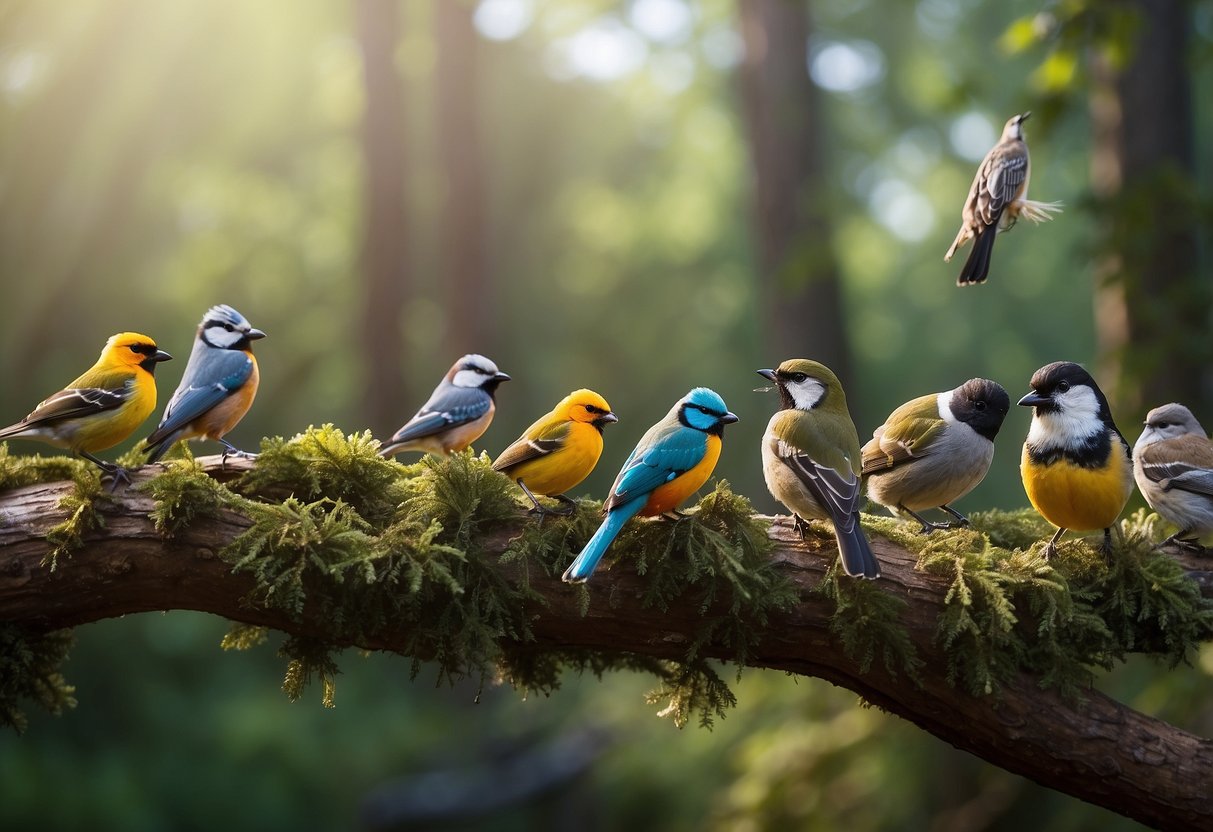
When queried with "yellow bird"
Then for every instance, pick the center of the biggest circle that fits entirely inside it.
(1075, 464)
(560, 450)
(102, 407)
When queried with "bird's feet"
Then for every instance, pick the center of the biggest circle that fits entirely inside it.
(1180, 541)
(675, 515)
(567, 507)
(801, 526)
(231, 450)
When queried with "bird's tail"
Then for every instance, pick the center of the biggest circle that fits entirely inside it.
(857, 558)
(977, 267)
(1038, 211)
(155, 446)
(582, 568)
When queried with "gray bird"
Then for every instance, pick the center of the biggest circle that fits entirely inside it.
(1173, 466)
(457, 413)
(935, 449)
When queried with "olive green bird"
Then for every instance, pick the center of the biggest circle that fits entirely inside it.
(811, 458)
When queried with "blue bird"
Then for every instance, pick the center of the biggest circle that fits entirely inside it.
(218, 385)
(670, 463)
(457, 413)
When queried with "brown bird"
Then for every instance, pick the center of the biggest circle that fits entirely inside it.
(997, 199)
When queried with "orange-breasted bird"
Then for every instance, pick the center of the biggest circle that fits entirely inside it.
(559, 450)
(457, 413)
(103, 406)
(218, 385)
(997, 198)
(671, 462)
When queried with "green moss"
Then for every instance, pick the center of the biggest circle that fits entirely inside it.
(82, 518)
(183, 493)
(29, 671)
(20, 471)
(867, 621)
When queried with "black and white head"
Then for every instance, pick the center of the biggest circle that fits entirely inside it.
(804, 384)
(979, 403)
(1069, 406)
(224, 328)
(1170, 422)
(476, 371)
(1013, 129)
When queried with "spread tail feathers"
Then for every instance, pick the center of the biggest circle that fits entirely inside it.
(583, 567)
(977, 267)
(1038, 211)
(857, 558)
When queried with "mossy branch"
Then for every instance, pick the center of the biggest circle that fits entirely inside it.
(969, 635)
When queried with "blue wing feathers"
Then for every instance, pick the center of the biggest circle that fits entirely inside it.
(209, 378)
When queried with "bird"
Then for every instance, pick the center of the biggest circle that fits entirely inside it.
(1076, 466)
(997, 198)
(671, 462)
(102, 407)
(1173, 466)
(457, 412)
(935, 449)
(217, 388)
(559, 450)
(811, 459)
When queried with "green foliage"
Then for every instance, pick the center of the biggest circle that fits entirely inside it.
(308, 658)
(29, 670)
(68, 535)
(20, 471)
(867, 621)
(183, 493)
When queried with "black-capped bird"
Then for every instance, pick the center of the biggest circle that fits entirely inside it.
(997, 198)
(457, 413)
(1173, 466)
(218, 385)
(1076, 465)
(811, 459)
(935, 449)
(103, 406)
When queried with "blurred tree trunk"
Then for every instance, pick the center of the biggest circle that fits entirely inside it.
(385, 264)
(1152, 306)
(468, 296)
(799, 278)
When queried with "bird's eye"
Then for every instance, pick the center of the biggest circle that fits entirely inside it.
(1063, 386)
(799, 377)
(979, 405)
(229, 327)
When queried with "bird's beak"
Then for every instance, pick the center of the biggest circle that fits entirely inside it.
(606, 418)
(728, 418)
(767, 374)
(499, 376)
(1027, 115)
(1033, 399)
(254, 335)
(161, 355)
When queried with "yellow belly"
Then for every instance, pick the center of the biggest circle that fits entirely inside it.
(97, 433)
(671, 495)
(565, 468)
(1072, 497)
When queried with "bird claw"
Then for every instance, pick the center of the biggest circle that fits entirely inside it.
(675, 515)
(119, 476)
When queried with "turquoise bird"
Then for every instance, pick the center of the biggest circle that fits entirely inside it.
(671, 462)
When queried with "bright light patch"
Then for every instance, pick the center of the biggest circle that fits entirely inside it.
(503, 19)
(902, 209)
(663, 21)
(846, 66)
(20, 70)
(672, 71)
(606, 50)
(722, 47)
(972, 135)
(938, 18)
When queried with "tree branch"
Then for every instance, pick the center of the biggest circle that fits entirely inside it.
(1100, 750)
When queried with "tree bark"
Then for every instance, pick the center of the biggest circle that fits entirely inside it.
(465, 264)
(781, 107)
(1152, 304)
(1100, 751)
(387, 281)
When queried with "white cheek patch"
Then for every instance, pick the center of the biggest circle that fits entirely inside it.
(217, 336)
(944, 403)
(807, 394)
(1076, 419)
(469, 378)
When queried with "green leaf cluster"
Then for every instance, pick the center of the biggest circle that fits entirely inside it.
(29, 670)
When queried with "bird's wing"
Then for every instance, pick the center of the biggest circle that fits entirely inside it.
(1003, 174)
(1192, 472)
(210, 379)
(909, 433)
(534, 444)
(665, 452)
(73, 403)
(837, 490)
(454, 406)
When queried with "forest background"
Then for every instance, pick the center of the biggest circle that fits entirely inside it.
(637, 197)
